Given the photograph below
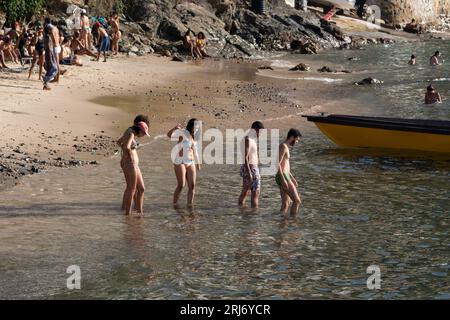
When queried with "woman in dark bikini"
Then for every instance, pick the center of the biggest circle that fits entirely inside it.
(38, 56)
(130, 166)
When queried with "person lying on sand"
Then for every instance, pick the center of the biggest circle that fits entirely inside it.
(434, 60)
(284, 178)
(130, 165)
(412, 61)
(432, 96)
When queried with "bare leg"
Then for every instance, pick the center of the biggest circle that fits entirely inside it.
(255, 198)
(180, 173)
(293, 194)
(243, 196)
(131, 176)
(140, 189)
(191, 177)
(285, 200)
(41, 66)
(2, 60)
(33, 64)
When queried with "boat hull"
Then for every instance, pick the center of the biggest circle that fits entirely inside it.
(362, 136)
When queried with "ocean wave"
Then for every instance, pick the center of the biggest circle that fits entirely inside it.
(282, 64)
(322, 79)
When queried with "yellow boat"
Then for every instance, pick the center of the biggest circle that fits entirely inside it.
(385, 133)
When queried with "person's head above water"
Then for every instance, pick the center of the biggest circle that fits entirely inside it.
(437, 54)
(142, 118)
(413, 57)
(201, 35)
(430, 88)
(293, 136)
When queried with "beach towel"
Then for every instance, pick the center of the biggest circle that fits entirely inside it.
(51, 66)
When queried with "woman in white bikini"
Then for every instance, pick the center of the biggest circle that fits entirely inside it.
(185, 159)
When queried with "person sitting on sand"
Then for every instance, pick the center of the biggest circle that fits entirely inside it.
(130, 166)
(186, 160)
(432, 96)
(189, 42)
(200, 45)
(2, 55)
(14, 34)
(103, 39)
(412, 27)
(434, 60)
(412, 61)
(139, 118)
(38, 55)
(68, 56)
(9, 50)
(78, 48)
(284, 178)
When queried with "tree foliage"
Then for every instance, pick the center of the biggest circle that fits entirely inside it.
(20, 9)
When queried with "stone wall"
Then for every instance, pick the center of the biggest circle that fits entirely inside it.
(398, 11)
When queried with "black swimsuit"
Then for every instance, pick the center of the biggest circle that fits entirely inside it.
(40, 46)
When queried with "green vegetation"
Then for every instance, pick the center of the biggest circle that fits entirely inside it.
(20, 9)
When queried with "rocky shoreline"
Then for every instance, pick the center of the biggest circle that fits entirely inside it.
(16, 162)
(233, 30)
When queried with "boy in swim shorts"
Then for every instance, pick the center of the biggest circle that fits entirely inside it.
(284, 178)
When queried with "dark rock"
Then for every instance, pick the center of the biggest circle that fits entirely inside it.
(265, 68)
(178, 58)
(327, 69)
(301, 67)
(369, 81)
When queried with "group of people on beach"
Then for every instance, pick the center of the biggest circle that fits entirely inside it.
(50, 44)
(431, 96)
(186, 164)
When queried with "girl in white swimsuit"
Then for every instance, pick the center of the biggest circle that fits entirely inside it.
(185, 161)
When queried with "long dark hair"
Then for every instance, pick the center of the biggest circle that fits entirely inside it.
(136, 129)
(190, 126)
